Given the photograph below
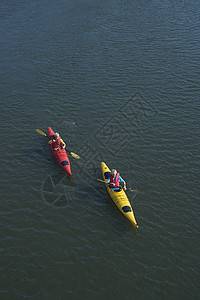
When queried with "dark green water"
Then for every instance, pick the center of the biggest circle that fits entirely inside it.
(119, 80)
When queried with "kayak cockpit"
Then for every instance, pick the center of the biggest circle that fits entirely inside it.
(64, 163)
(106, 175)
(126, 209)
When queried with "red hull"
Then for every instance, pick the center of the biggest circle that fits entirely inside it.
(60, 155)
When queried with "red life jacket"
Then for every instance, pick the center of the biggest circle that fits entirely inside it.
(115, 181)
(56, 144)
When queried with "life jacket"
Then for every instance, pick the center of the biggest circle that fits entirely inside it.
(56, 144)
(115, 181)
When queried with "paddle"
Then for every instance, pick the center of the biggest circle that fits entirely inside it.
(119, 185)
(102, 181)
(41, 132)
(72, 153)
(108, 182)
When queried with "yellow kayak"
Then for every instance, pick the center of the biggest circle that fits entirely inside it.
(119, 198)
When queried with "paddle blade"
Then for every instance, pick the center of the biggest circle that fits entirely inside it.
(132, 190)
(102, 180)
(40, 132)
(75, 155)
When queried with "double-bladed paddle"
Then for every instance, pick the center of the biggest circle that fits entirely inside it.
(119, 185)
(72, 153)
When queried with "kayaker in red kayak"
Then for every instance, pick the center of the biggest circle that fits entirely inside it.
(115, 180)
(57, 142)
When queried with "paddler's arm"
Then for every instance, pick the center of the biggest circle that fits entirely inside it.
(62, 143)
(124, 185)
(121, 180)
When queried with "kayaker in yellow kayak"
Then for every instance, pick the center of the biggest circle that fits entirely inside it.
(115, 181)
(57, 142)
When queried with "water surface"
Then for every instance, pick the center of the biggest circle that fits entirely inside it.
(120, 81)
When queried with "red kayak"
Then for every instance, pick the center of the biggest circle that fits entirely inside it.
(60, 155)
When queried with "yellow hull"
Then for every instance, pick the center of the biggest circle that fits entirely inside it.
(119, 198)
